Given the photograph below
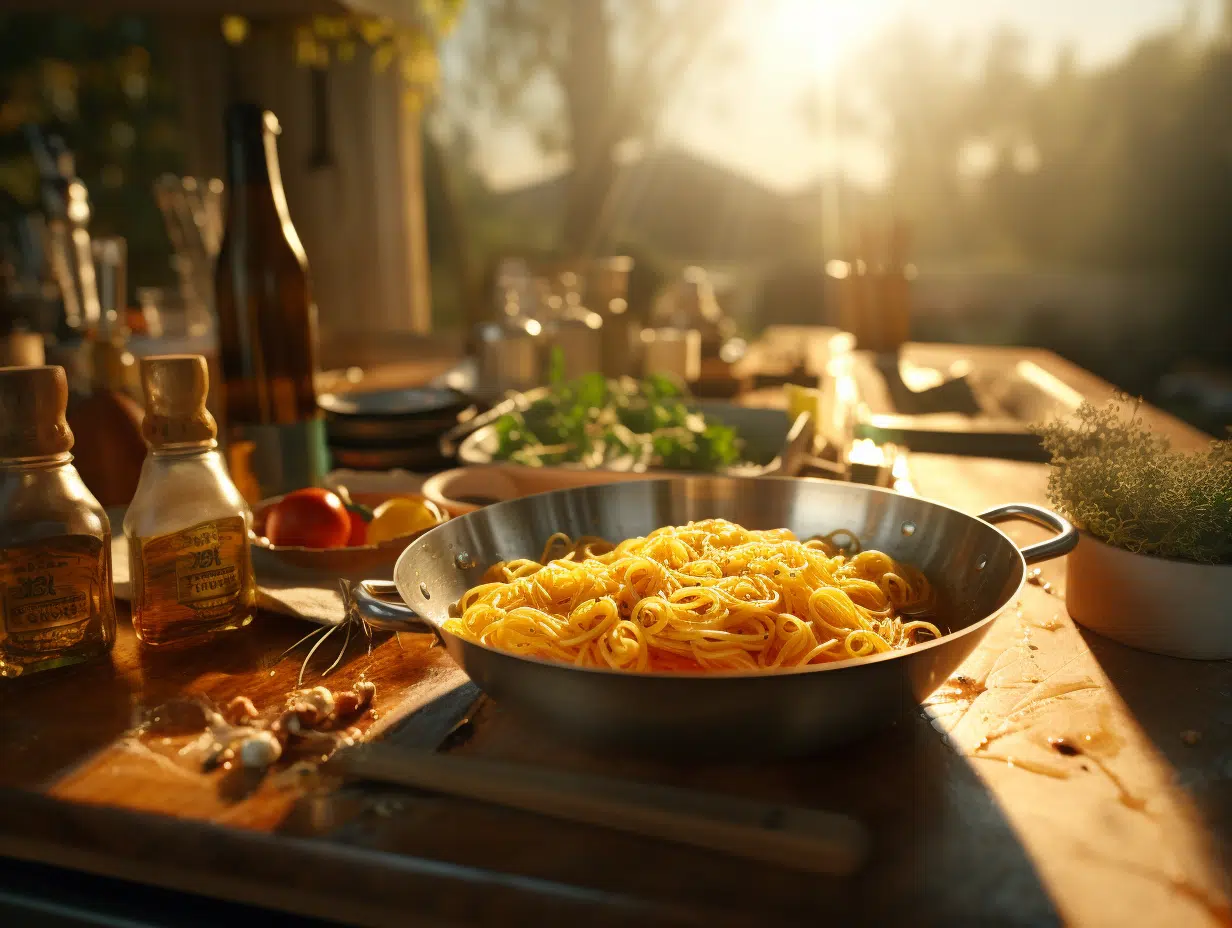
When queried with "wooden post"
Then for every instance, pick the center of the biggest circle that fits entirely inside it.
(351, 163)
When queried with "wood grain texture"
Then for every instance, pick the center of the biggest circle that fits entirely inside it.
(1131, 827)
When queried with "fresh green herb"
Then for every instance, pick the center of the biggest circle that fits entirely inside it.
(592, 420)
(1125, 485)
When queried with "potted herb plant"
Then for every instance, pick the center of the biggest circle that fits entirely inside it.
(1154, 567)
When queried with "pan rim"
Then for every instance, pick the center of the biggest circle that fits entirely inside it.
(729, 675)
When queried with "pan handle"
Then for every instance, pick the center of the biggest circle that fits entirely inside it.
(380, 605)
(1063, 543)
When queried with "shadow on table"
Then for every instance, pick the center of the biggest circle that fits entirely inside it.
(943, 852)
(1185, 708)
(55, 718)
(244, 654)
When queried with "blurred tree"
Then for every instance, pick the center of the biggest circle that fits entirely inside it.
(1123, 168)
(587, 76)
(96, 83)
(912, 93)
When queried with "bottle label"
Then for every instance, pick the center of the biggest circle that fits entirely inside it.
(48, 587)
(205, 567)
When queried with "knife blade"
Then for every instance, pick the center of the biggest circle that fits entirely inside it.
(804, 839)
(439, 724)
(414, 756)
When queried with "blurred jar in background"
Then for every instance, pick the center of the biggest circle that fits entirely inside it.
(508, 347)
(607, 288)
(111, 276)
(674, 352)
(572, 331)
(107, 421)
(148, 319)
(22, 349)
(874, 288)
(690, 303)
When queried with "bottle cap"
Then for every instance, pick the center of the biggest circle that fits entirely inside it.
(32, 405)
(175, 387)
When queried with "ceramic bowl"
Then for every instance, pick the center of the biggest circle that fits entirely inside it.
(1152, 603)
(338, 561)
(465, 489)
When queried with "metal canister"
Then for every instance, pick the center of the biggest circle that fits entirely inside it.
(607, 290)
(675, 352)
(509, 355)
(578, 334)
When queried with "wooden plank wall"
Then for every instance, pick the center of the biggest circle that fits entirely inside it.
(361, 213)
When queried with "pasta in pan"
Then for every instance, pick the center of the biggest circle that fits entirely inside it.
(705, 596)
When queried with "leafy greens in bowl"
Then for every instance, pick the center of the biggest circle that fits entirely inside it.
(595, 422)
(1124, 484)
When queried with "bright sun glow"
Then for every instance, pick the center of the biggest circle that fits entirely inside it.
(813, 35)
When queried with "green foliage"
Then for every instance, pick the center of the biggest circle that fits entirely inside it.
(99, 82)
(1124, 484)
(321, 39)
(1119, 166)
(583, 77)
(591, 420)
(556, 366)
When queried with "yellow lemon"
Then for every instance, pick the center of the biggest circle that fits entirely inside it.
(801, 400)
(397, 517)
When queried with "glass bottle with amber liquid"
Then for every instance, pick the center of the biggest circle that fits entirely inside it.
(56, 604)
(267, 322)
(187, 526)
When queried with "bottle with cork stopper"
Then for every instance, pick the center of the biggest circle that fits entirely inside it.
(187, 527)
(56, 602)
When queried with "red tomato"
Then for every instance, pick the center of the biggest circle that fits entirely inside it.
(359, 529)
(309, 518)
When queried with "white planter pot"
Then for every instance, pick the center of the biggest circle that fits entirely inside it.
(1153, 603)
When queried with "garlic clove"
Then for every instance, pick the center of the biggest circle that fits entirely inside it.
(259, 750)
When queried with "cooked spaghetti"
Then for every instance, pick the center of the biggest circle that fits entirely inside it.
(704, 596)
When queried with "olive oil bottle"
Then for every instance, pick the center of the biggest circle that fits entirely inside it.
(273, 430)
(187, 527)
(56, 603)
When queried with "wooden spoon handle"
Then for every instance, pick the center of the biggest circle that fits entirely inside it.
(804, 839)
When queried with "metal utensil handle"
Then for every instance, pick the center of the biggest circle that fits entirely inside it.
(1063, 543)
(451, 441)
(389, 613)
(789, 836)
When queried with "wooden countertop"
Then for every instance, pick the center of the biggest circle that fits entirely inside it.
(1136, 830)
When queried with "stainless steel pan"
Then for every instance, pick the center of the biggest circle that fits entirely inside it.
(974, 567)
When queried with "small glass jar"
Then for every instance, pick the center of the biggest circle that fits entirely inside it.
(187, 526)
(56, 601)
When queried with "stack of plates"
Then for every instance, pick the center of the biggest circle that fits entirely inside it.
(388, 429)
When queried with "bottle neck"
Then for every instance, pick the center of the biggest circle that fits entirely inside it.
(38, 462)
(256, 195)
(185, 449)
(248, 156)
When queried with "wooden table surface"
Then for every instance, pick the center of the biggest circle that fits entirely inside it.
(975, 819)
